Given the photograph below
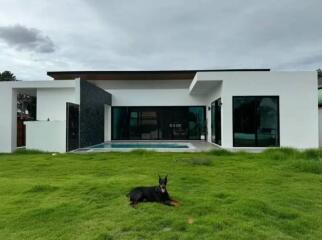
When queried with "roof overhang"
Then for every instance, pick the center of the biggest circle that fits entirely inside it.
(205, 83)
(124, 75)
(136, 75)
(203, 87)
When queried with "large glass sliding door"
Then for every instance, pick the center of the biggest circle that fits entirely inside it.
(157, 123)
(143, 124)
(256, 121)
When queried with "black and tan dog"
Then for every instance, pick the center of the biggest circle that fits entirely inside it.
(152, 194)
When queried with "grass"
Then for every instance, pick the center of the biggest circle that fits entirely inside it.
(276, 194)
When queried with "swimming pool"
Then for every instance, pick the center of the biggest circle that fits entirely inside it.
(140, 145)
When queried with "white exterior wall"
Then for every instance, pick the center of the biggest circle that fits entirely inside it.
(48, 136)
(298, 97)
(320, 127)
(151, 92)
(142, 84)
(8, 112)
(107, 123)
(155, 97)
(51, 102)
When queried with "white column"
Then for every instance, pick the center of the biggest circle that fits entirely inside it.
(8, 118)
(107, 123)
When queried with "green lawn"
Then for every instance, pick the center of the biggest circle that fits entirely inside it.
(272, 195)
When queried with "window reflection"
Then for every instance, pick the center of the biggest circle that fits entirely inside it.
(152, 123)
(256, 121)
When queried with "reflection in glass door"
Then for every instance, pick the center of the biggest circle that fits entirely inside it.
(149, 125)
(216, 121)
(143, 124)
(256, 121)
(179, 124)
(72, 126)
(158, 123)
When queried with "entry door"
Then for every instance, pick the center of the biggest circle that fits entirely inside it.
(216, 121)
(72, 126)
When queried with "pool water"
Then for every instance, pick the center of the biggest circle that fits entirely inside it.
(140, 145)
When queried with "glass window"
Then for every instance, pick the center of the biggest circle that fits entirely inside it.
(255, 121)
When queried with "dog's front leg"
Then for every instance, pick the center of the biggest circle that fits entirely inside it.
(134, 204)
(172, 203)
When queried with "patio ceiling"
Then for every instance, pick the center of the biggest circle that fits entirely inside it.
(203, 87)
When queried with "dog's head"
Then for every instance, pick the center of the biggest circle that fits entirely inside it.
(163, 184)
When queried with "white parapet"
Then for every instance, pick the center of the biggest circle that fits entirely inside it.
(49, 136)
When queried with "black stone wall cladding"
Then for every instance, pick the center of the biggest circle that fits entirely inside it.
(92, 100)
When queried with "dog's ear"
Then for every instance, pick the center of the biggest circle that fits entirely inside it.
(159, 178)
(166, 179)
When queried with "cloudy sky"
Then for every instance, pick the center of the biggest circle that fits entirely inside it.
(37, 36)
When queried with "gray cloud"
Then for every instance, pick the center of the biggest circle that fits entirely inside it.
(24, 38)
(167, 34)
(213, 34)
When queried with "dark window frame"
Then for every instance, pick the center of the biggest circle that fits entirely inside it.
(68, 144)
(278, 119)
(212, 128)
(319, 104)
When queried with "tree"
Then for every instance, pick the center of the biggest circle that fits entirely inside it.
(7, 76)
(27, 104)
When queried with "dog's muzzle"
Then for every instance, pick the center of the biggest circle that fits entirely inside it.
(162, 189)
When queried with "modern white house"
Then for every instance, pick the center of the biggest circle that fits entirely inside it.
(233, 109)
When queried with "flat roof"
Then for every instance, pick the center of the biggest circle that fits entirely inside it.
(139, 75)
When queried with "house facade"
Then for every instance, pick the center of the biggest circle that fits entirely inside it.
(233, 109)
